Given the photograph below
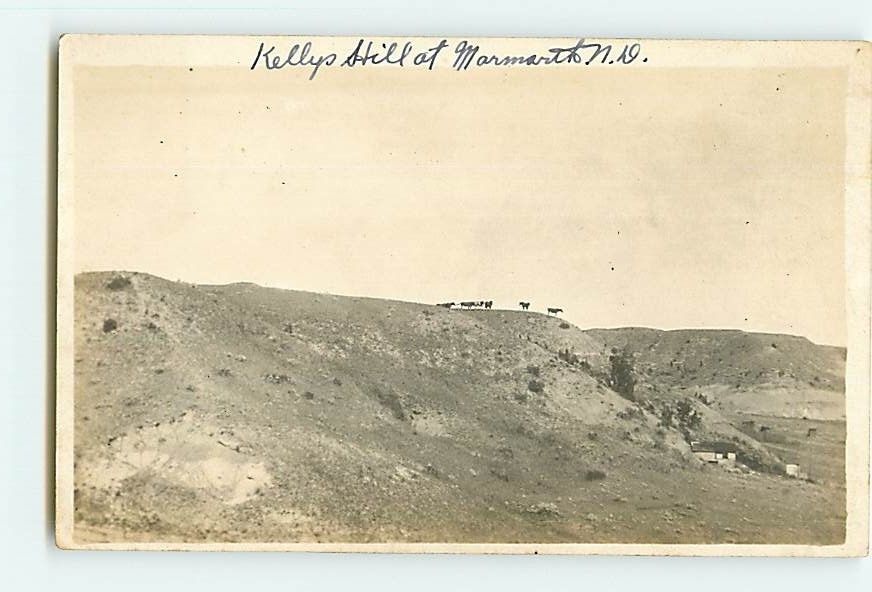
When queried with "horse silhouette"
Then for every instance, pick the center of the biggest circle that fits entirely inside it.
(445, 304)
(477, 304)
(554, 311)
(524, 305)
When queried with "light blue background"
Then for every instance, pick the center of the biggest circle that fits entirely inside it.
(28, 37)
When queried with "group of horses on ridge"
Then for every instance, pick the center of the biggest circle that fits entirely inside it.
(488, 304)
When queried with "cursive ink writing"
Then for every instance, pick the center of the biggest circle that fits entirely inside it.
(298, 55)
(467, 55)
(392, 54)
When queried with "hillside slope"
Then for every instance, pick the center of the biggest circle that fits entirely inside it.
(229, 413)
(742, 373)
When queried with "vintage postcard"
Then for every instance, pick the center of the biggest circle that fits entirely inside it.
(463, 295)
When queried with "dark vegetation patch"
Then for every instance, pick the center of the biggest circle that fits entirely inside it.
(621, 376)
(118, 282)
(390, 400)
(567, 356)
(631, 413)
(681, 415)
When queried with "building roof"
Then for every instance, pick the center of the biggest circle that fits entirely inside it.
(715, 446)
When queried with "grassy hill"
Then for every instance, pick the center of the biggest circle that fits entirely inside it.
(741, 373)
(231, 413)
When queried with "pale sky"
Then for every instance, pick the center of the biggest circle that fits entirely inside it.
(661, 197)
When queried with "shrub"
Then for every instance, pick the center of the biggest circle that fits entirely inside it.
(535, 386)
(392, 402)
(109, 325)
(594, 475)
(119, 282)
(534, 370)
(630, 413)
(621, 378)
(567, 356)
(687, 416)
(666, 415)
(565, 325)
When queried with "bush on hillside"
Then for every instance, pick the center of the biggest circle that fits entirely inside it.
(567, 356)
(391, 401)
(621, 375)
(688, 418)
(118, 282)
(666, 415)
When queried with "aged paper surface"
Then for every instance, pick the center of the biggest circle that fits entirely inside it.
(463, 295)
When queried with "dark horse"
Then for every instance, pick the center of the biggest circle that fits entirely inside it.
(488, 304)
(445, 304)
(554, 311)
(524, 305)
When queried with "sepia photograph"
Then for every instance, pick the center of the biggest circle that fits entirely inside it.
(463, 295)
